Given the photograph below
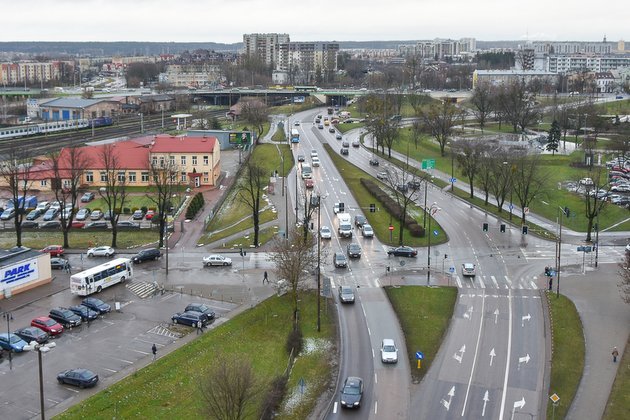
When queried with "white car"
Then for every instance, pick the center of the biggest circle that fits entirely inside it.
(314, 153)
(325, 232)
(101, 251)
(382, 175)
(367, 231)
(389, 352)
(216, 259)
(468, 269)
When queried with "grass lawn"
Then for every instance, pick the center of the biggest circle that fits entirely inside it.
(168, 388)
(81, 239)
(264, 236)
(619, 400)
(424, 324)
(214, 236)
(567, 360)
(381, 219)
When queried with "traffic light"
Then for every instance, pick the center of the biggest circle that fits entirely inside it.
(485, 227)
(372, 208)
(243, 253)
(502, 228)
(525, 229)
(342, 206)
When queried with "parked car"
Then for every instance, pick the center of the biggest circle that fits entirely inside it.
(82, 214)
(389, 352)
(149, 215)
(367, 231)
(8, 214)
(97, 225)
(346, 294)
(53, 250)
(354, 250)
(48, 325)
(216, 259)
(402, 251)
(325, 232)
(83, 378)
(42, 206)
(126, 224)
(138, 215)
(101, 251)
(190, 318)
(96, 215)
(30, 225)
(340, 260)
(65, 317)
(202, 308)
(352, 392)
(97, 305)
(53, 224)
(34, 214)
(87, 197)
(146, 255)
(84, 312)
(50, 214)
(58, 263)
(11, 342)
(56, 205)
(30, 334)
(77, 225)
(108, 215)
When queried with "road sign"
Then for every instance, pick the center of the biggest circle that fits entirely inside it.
(584, 248)
(554, 398)
(428, 163)
(302, 384)
(419, 355)
(452, 180)
(391, 227)
(436, 233)
(451, 269)
(526, 210)
(511, 206)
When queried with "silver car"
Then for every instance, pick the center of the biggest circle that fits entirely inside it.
(216, 259)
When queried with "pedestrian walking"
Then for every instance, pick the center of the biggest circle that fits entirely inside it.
(615, 353)
(68, 267)
(154, 351)
(550, 283)
(265, 278)
(199, 327)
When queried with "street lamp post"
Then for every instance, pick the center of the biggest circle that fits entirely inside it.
(562, 212)
(9, 317)
(40, 348)
(452, 169)
(319, 250)
(434, 209)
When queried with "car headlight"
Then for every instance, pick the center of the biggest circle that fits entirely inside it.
(343, 402)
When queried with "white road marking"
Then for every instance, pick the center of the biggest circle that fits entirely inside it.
(335, 408)
(483, 286)
(459, 282)
(472, 370)
(509, 282)
(494, 281)
(509, 351)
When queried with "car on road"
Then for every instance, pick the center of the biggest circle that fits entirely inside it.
(84, 312)
(127, 224)
(340, 260)
(101, 251)
(83, 378)
(30, 334)
(97, 305)
(87, 197)
(359, 220)
(402, 188)
(190, 318)
(344, 151)
(216, 259)
(338, 136)
(65, 317)
(402, 251)
(356, 143)
(48, 325)
(12, 342)
(374, 162)
(389, 352)
(315, 161)
(367, 231)
(34, 214)
(414, 184)
(382, 175)
(53, 224)
(320, 126)
(301, 158)
(96, 215)
(82, 214)
(138, 215)
(309, 183)
(146, 255)
(352, 392)
(325, 232)
(354, 250)
(50, 214)
(58, 263)
(468, 270)
(53, 250)
(346, 294)
(345, 144)
(97, 225)
(201, 308)
(331, 130)
(314, 153)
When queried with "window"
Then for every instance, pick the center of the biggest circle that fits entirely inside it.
(194, 160)
(161, 161)
(173, 178)
(66, 183)
(172, 160)
(144, 176)
(103, 176)
(205, 161)
(132, 177)
(89, 176)
(121, 176)
(205, 177)
(154, 161)
(183, 160)
(43, 183)
(183, 175)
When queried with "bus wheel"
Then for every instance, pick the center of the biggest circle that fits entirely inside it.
(98, 289)
(122, 279)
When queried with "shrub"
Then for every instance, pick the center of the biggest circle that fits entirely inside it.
(195, 205)
(144, 209)
(275, 394)
(126, 210)
(294, 341)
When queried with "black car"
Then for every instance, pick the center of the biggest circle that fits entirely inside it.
(28, 224)
(29, 334)
(300, 158)
(344, 151)
(402, 251)
(65, 317)
(359, 220)
(82, 378)
(351, 392)
(354, 250)
(84, 312)
(96, 305)
(340, 260)
(33, 214)
(402, 188)
(345, 144)
(97, 225)
(414, 185)
(53, 224)
(200, 307)
(374, 162)
(190, 318)
(58, 263)
(146, 255)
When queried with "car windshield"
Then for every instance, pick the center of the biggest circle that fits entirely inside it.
(49, 322)
(389, 348)
(14, 339)
(351, 389)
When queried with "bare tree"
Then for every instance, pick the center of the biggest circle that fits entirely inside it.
(255, 113)
(594, 202)
(163, 175)
(250, 190)
(528, 181)
(518, 105)
(485, 175)
(482, 101)
(229, 389)
(469, 154)
(439, 121)
(406, 187)
(68, 167)
(293, 256)
(502, 174)
(114, 193)
(15, 170)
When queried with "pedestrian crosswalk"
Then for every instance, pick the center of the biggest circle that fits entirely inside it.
(499, 282)
(142, 289)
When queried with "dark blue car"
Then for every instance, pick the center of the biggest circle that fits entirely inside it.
(12, 342)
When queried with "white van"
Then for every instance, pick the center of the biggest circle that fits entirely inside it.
(307, 171)
(315, 161)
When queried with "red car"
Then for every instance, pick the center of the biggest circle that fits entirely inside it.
(149, 215)
(78, 225)
(309, 183)
(48, 325)
(53, 250)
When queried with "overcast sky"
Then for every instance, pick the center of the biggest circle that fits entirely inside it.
(305, 20)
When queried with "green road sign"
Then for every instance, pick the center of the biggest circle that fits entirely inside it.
(428, 163)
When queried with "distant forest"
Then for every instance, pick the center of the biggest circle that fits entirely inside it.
(155, 48)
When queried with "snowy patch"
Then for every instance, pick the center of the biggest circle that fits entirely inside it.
(314, 345)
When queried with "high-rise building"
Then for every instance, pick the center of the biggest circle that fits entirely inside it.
(265, 46)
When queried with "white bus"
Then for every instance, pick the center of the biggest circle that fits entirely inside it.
(98, 278)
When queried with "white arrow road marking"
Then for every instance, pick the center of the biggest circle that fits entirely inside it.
(492, 354)
(459, 357)
(468, 312)
(496, 315)
(451, 394)
(524, 359)
(525, 318)
(474, 360)
(509, 351)
(485, 401)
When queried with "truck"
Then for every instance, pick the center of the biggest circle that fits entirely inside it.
(24, 203)
(345, 225)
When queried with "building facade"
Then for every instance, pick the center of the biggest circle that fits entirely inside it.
(503, 77)
(265, 46)
(32, 73)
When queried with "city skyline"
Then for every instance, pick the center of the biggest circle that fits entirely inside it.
(352, 20)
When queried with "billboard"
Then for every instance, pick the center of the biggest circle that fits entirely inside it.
(243, 137)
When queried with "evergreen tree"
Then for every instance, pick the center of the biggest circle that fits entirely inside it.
(553, 137)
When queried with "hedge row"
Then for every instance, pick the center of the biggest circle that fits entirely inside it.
(195, 205)
(392, 207)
